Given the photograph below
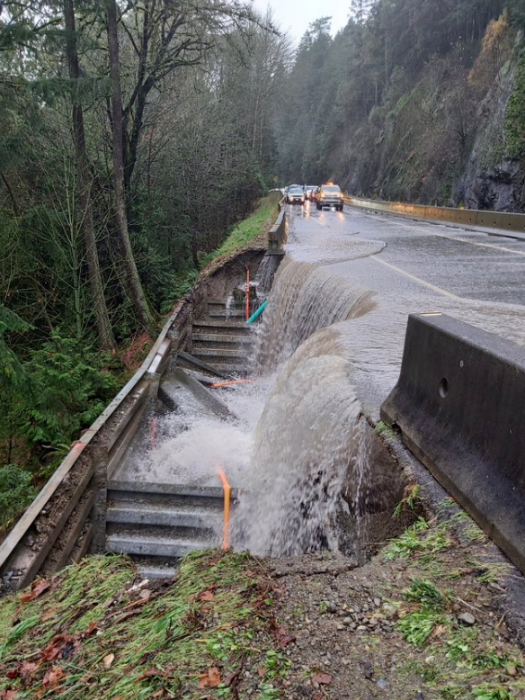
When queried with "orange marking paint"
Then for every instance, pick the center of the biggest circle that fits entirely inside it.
(230, 383)
(227, 503)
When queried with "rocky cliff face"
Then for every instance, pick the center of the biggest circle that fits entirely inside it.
(491, 180)
(446, 140)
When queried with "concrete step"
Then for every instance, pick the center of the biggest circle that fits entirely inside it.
(223, 313)
(155, 543)
(153, 568)
(207, 353)
(223, 338)
(224, 302)
(164, 515)
(227, 326)
(182, 495)
(232, 369)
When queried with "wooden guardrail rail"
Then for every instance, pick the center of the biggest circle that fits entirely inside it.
(467, 217)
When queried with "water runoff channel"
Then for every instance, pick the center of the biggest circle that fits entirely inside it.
(308, 472)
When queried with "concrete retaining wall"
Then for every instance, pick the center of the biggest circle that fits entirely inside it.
(278, 235)
(465, 217)
(460, 406)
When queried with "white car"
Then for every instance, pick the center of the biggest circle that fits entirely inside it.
(295, 195)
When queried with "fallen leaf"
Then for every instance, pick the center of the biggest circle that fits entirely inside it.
(284, 638)
(57, 646)
(211, 679)
(261, 672)
(145, 594)
(53, 677)
(8, 695)
(108, 660)
(27, 668)
(229, 679)
(322, 679)
(48, 614)
(153, 672)
(37, 589)
(207, 596)
(93, 627)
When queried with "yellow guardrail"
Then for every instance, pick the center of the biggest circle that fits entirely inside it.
(466, 217)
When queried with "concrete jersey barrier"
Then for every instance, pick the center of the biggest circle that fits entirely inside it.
(460, 406)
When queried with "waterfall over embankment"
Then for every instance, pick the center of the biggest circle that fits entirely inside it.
(310, 464)
(304, 299)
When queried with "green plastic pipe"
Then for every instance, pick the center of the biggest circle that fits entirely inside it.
(259, 311)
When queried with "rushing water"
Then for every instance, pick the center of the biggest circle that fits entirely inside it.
(305, 298)
(266, 273)
(297, 442)
(308, 441)
(304, 445)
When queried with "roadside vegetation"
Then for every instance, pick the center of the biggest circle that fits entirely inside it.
(61, 387)
(91, 633)
(132, 140)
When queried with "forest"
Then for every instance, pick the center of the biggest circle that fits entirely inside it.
(135, 134)
(414, 100)
(132, 137)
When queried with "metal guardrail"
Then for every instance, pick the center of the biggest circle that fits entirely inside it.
(466, 217)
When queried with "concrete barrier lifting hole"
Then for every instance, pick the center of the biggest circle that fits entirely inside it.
(459, 404)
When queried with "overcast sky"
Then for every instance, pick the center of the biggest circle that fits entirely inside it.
(294, 16)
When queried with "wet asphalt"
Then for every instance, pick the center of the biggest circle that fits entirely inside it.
(412, 267)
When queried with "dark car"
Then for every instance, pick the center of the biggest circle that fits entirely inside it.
(295, 195)
(329, 196)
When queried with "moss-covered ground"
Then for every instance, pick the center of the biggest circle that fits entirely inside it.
(91, 634)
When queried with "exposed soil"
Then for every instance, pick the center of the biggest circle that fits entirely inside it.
(360, 634)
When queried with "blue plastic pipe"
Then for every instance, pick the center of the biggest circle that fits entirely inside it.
(259, 311)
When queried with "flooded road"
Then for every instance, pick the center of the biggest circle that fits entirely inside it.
(409, 267)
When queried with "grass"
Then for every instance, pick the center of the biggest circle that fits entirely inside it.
(91, 635)
(419, 538)
(410, 503)
(240, 238)
(244, 233)
(456, 661)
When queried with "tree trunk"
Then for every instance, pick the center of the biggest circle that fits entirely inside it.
(134, 286)
(105, 330)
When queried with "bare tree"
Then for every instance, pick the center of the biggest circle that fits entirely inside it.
(133, 283)
(95, 279)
